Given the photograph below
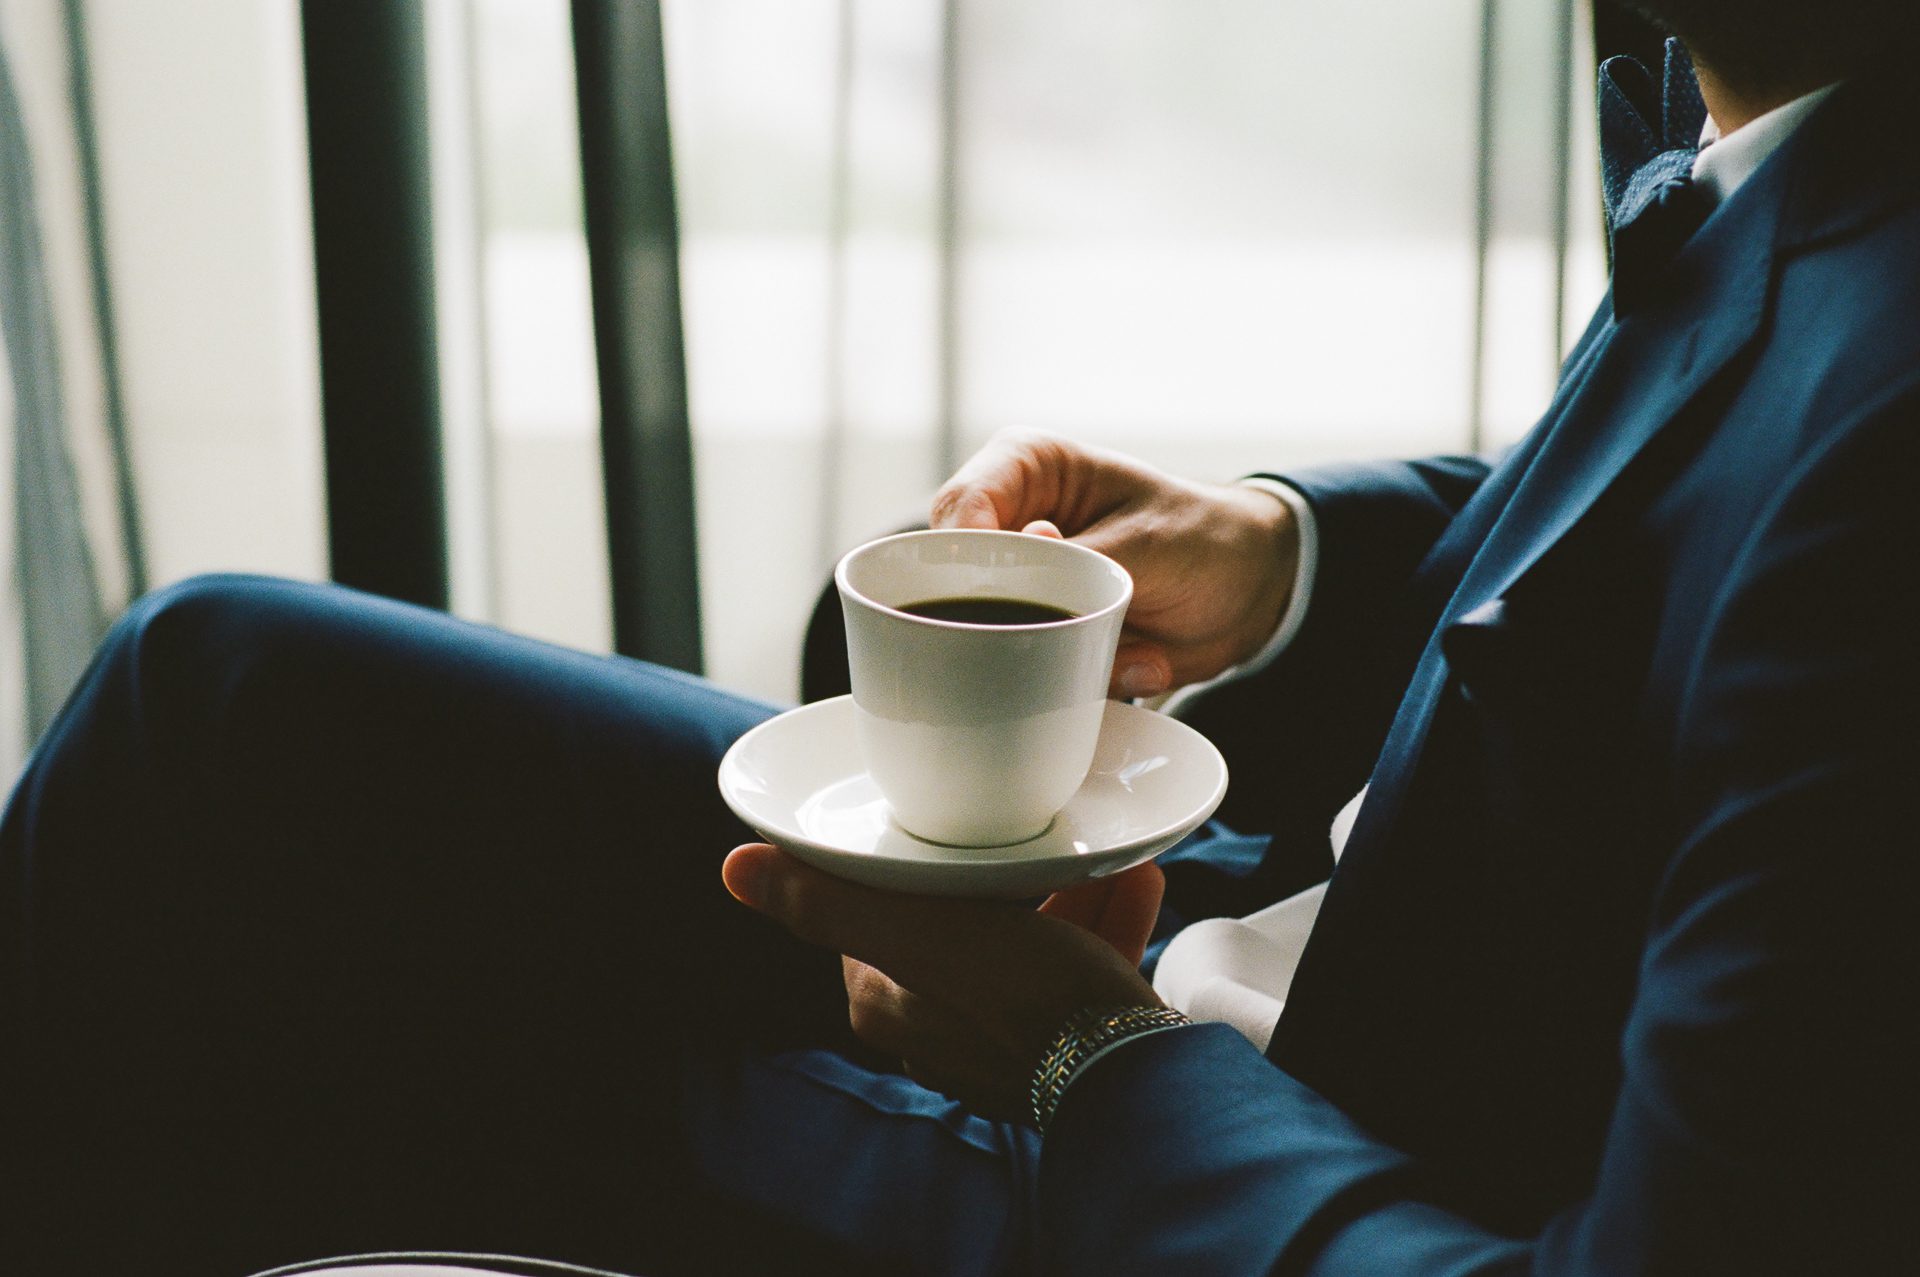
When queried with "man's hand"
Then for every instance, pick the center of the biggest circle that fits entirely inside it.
(1212, 566)
(966, 993)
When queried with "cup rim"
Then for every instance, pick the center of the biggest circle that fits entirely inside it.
(848, 591)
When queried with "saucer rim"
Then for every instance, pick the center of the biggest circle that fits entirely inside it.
(1177, 828)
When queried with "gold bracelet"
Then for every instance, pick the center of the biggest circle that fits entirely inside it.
(1085, 1035)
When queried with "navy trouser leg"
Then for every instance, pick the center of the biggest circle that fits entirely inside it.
(332, 924)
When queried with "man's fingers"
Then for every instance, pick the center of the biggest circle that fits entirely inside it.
(1083, 903)
(879, 1011)
(1044, 528)
(1014, 480)
(895, 1020)
(937, 1047)
(917, 940)
(1132, 909)
(1140, 669)
(985, 492)
(1120, 909)
(966, 508)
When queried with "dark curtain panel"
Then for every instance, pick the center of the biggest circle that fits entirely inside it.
(60, 603)
(373, 267)
(633, 247)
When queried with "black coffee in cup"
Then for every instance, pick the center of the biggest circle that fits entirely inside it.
(980, 663)
(989, 611)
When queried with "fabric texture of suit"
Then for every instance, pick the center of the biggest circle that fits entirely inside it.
(1611, 976)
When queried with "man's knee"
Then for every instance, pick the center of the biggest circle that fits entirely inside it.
(177, 622)
(174, 648)
(191, 610)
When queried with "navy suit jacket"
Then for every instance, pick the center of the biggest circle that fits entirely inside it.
(1616, 973)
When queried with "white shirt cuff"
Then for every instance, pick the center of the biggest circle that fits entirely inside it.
(1307, 536)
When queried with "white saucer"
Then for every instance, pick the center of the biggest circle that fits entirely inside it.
(798, 780)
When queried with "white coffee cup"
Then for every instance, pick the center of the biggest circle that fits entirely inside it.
(978, 734)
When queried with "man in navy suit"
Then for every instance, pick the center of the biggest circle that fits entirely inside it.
(333, 925)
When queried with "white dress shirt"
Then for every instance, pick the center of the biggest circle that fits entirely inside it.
(1237, 971)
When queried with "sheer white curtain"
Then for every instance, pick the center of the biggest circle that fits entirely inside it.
(532, 553)
(206, 243)
(202, 133)
(1224, 236)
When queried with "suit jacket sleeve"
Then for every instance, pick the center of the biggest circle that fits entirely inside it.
(1765, 1121)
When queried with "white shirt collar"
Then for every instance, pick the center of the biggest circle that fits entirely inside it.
(1725, 163)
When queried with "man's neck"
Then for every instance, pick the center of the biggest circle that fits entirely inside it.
(1733, 108)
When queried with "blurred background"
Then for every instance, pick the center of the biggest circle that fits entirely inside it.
(615, 322)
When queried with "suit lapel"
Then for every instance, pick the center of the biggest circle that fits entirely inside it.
(1642, 373)
(1651, 368)
(1342, 1029)
(1653, 364)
